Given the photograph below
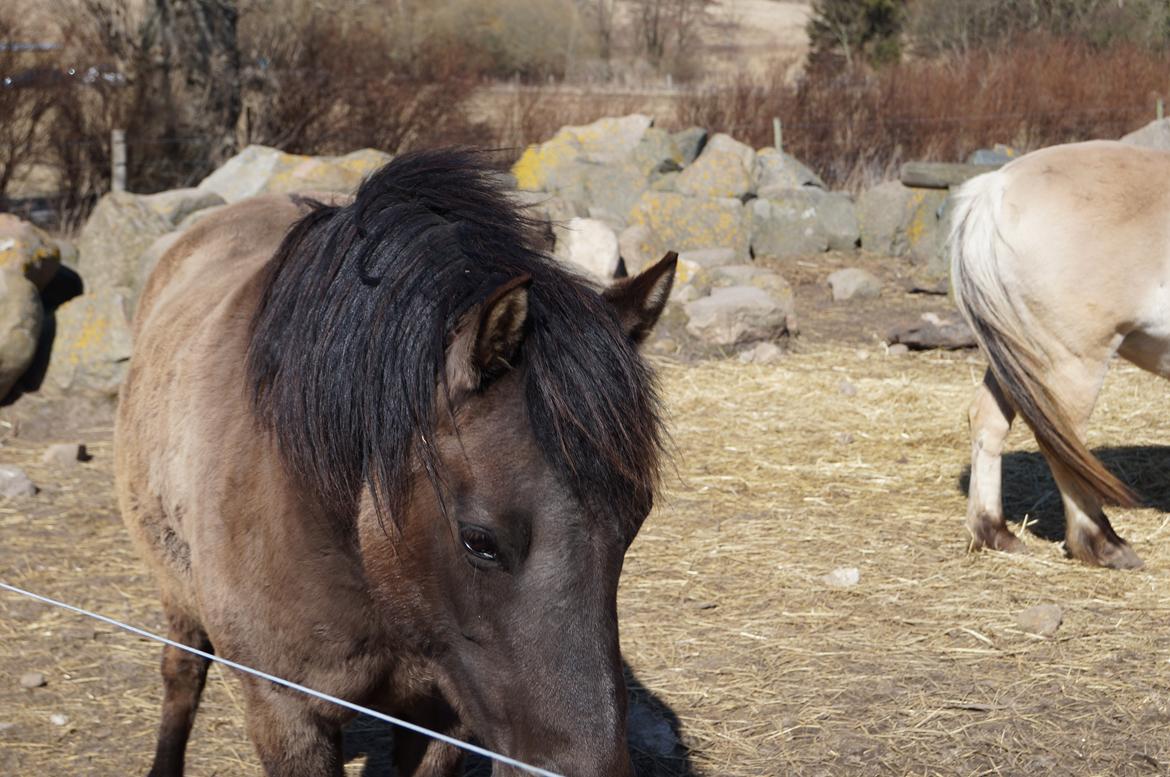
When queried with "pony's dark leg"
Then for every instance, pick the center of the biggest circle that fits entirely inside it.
(991, 419)
(183, 677)
(290, 733)
(416, 755)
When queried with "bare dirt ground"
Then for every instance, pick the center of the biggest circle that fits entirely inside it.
(841, 455)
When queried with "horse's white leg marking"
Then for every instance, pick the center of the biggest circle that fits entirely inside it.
(990, 418)
(1088, 534)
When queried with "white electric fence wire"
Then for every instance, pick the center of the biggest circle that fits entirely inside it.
(287, 683)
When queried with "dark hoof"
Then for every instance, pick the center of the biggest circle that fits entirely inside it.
(993, 537)
(1120, 557)
(1110, 554)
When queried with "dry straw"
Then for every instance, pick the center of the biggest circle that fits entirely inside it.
(783, 473)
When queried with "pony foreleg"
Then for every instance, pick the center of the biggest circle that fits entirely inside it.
(990, 419)
(420, 756)
(291, 738)
(183, 677)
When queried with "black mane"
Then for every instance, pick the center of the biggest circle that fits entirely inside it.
(349, 339)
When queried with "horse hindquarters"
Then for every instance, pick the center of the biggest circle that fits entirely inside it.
(1053, 384)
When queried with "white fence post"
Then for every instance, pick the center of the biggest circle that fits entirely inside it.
(118, 160)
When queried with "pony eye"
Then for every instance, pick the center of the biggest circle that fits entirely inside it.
(479, 543)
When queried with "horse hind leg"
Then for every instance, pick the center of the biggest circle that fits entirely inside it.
(184, 675)
(990, 420)
(1089, 537)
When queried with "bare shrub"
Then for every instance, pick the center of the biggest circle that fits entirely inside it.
(24, 105)
(950, 26)
(860, 124)
(665, 32)
(525, 115)
(501, 38)
(317, 85)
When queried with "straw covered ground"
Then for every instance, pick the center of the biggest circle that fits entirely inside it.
(839, 456)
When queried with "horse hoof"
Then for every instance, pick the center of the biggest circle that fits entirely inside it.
(1100, 552)
(997, 538)
(1119, 557)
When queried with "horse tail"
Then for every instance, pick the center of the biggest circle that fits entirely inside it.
(1002, 328)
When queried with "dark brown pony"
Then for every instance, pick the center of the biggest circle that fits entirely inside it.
(386, 449)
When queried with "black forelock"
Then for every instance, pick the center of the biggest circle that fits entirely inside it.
(349, 338)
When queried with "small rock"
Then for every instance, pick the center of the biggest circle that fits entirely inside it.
(21, 319)
(57, 719)
(932, 331)
(32, 680)
(737, 314)
(91, 349)
(708, 258)
(846, 388)
(787, 225)
(716, 173)
(13, 482)
(843, 577)
(65, 454)
(589, 245)
(7, 726)
(845, 438)
(680, 223)
(762, 353)
(690, 143)
(937, 287)
(854, 283)
(898, 349)
(632, 245)
(999, 154)
(1042, 620)
(774, 171)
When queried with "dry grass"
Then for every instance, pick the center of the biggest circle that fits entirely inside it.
(781, 477)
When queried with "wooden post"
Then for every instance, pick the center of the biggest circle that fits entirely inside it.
(777, 133)
(118, 160)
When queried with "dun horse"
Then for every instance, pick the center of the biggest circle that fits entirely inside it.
(386, 449)
(1060, 260)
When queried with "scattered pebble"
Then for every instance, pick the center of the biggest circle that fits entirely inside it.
(846, 388)
(1042, 620)
(13, 482)
(32, 680)
(57, 719)
(854, 283)
(762, 353)
(65, 454)
(843, 577)
(844, 438)
(862, 355)
(898, 349)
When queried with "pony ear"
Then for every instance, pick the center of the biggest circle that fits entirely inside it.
(488, 336)
(639, 300)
